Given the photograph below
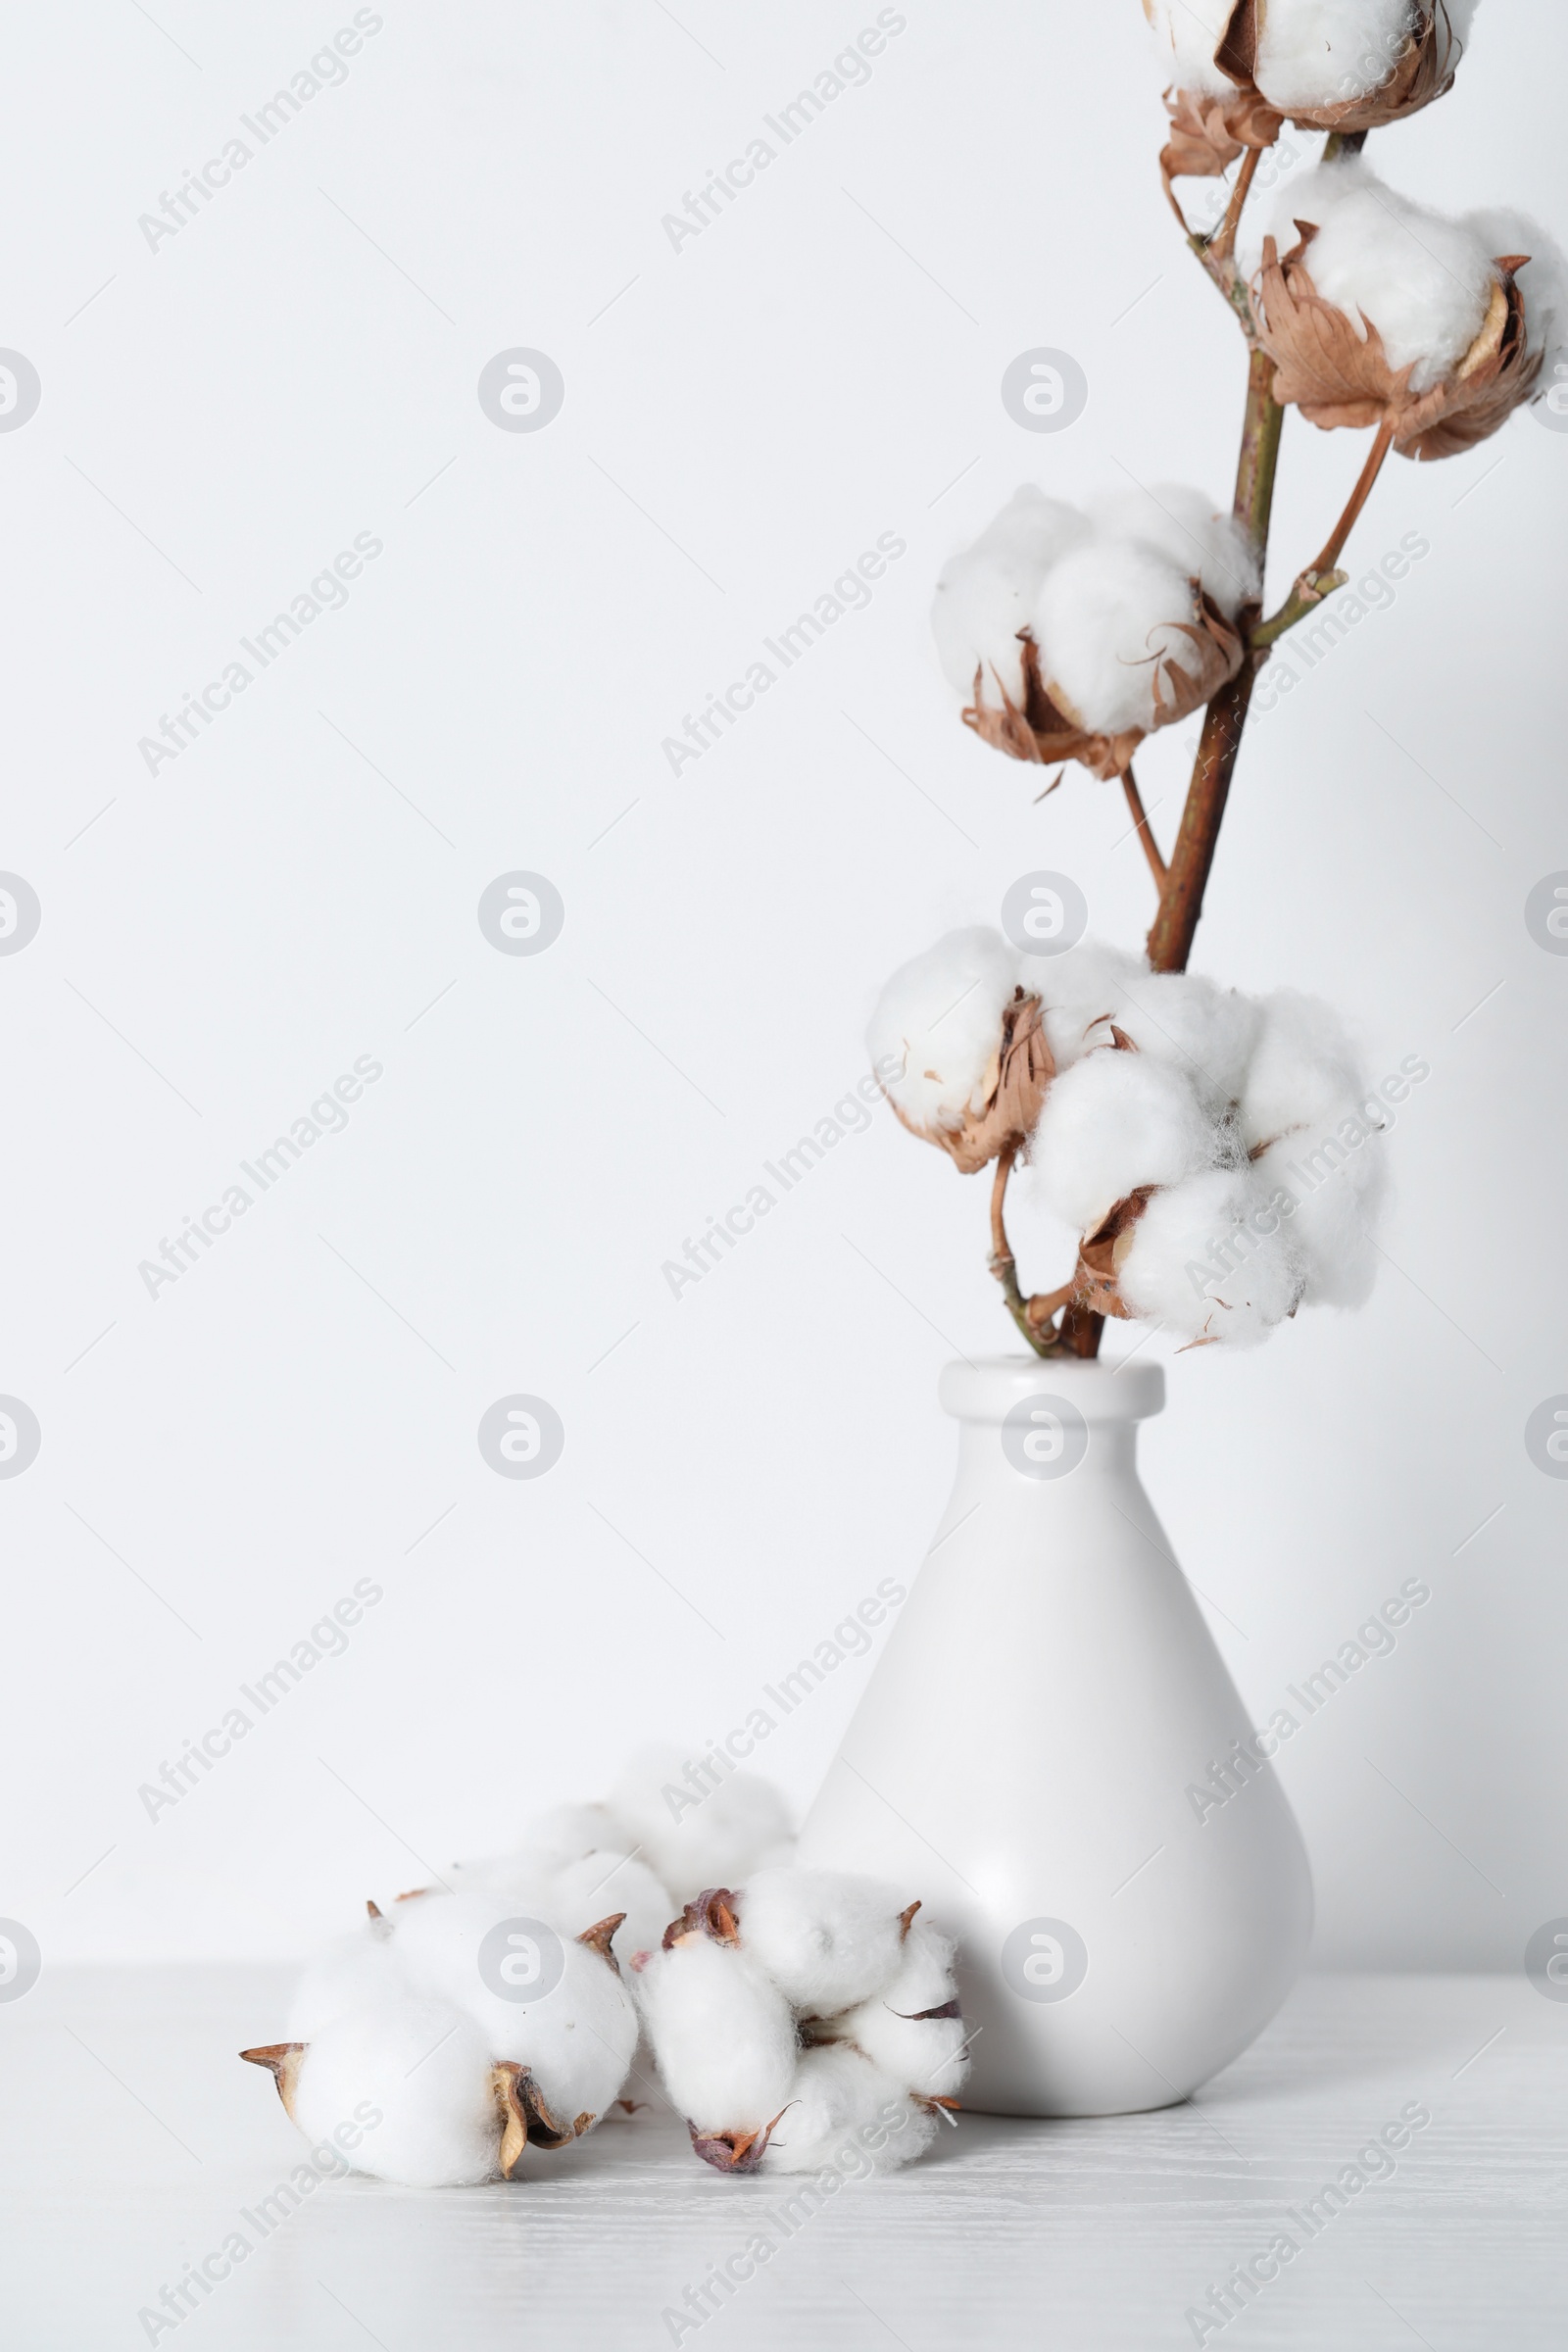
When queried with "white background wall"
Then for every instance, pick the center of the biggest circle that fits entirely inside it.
(743, 416)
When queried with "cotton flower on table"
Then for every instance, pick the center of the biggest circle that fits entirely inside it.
(1385, 312)
(403, 2020)
(1074, 634)
(802, 2015)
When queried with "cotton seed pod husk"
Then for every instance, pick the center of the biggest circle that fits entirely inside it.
(526, 2119)
(1045, 728)
(1209, 133)
(1100, 1255)
(1015, 1082)
(1338, 374)
(1423, 69)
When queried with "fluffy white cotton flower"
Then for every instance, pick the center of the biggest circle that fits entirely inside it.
(744, 1977)
(698, 1829)
(1335, 1187)
(1313, 53)
(1205, 1031)
(1212, 1260)
(1191, 532)
(1107, 620)
(986, 593)
(1081, 993)
(353, 1970)
(1542, 281)
(938, 1024)
(910, 2027)
(421, 2067)
(846, 2112)
(1114, 1122)
(588, 1891)
(826, 1938)
(723, 2032)
(1424, 281)
(1187, 33)
(1304, 1065)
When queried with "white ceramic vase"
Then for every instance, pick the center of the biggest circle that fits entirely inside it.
(1025, 1754)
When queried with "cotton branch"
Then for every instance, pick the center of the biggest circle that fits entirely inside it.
(1033, 1317)
(1141, 826)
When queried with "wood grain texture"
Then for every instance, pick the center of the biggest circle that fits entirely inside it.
(134, 2138)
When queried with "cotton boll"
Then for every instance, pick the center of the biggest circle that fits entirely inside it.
(1187, 33)
(1112, 1123)
(987, 593)
(1542, 281)
(1105, 619)
(825, 1938)
(1313, 53)
(577, 2042)
(843, 2112)
(587, 1890)
(1423, 281)
(422, 2067)
(1339, 1187)
(523, 1876)
(354, 1969)
(697, 1827)
(1302, 1065)
(1080, 993)
(722, 2031)
(920, 2053)
(436, 1942)
(1211, 1260)
(1206, 1032)
(938, 1026)
(1186, 528)
(567, 1832)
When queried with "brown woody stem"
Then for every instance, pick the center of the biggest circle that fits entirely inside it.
(1222, 243)
(1334, 544)
(1003, 1264)
(1035, 1317)
(1181, 902)
(1135, 802)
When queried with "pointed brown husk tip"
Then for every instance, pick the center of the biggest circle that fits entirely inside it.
(715, 1914)
(906, 1919)
(526, 2119)
(282, 2060)
(597, 1938)
(735, 2151)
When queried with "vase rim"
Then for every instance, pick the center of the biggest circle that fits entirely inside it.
(986, 1388)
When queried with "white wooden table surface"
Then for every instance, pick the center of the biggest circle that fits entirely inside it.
(133, 2139)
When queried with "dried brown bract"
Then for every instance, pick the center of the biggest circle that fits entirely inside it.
(282, 2060)
(1209, 133)
(734, 2151)
(1420, 69)
(1337, 373)
(713, 1914)
(1045, 728)
(526, 2120)
(1015, 1082)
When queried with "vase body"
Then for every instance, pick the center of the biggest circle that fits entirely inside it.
(1034, 1754)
